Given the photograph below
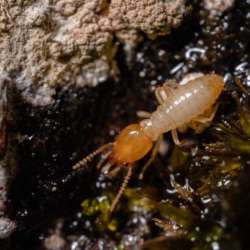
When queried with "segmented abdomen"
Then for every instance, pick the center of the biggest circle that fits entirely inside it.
(186, 102)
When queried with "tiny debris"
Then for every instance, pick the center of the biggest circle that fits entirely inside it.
(7, 227)
(217, 7)
(55, 242)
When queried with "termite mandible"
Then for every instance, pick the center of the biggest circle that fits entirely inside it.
(190, 104)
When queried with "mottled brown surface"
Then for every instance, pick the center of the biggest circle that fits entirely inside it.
(45, 44)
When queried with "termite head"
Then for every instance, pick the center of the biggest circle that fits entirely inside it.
(131, 145)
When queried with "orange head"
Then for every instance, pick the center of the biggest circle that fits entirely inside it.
(131, 145)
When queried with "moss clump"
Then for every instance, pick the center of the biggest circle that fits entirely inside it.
(99, 208)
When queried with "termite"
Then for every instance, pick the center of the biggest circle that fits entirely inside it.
(191, 104)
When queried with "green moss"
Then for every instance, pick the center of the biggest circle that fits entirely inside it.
(245, 121)
(238, 144)
(182, 216)
(100, 208)
(178, 159)
(210, 169)
(204, 240)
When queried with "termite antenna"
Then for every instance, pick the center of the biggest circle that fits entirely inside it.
(121, 190)
(103, 159)
(89, 157)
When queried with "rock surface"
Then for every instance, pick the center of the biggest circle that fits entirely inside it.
(7, 226)
(45, 45)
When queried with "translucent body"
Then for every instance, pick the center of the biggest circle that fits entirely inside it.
(131, 145)
(184, 104)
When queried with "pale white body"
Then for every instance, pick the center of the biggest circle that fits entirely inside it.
(180, 106)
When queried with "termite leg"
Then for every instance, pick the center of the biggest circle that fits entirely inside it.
(200, 123)
(152, 158)
(170, 84)
(103, 159)
(208, 115)
(162, 93)
(176, 140)
(106, 168)
(88, 158)
(143, 114)
(114, 171)
(122, 188)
